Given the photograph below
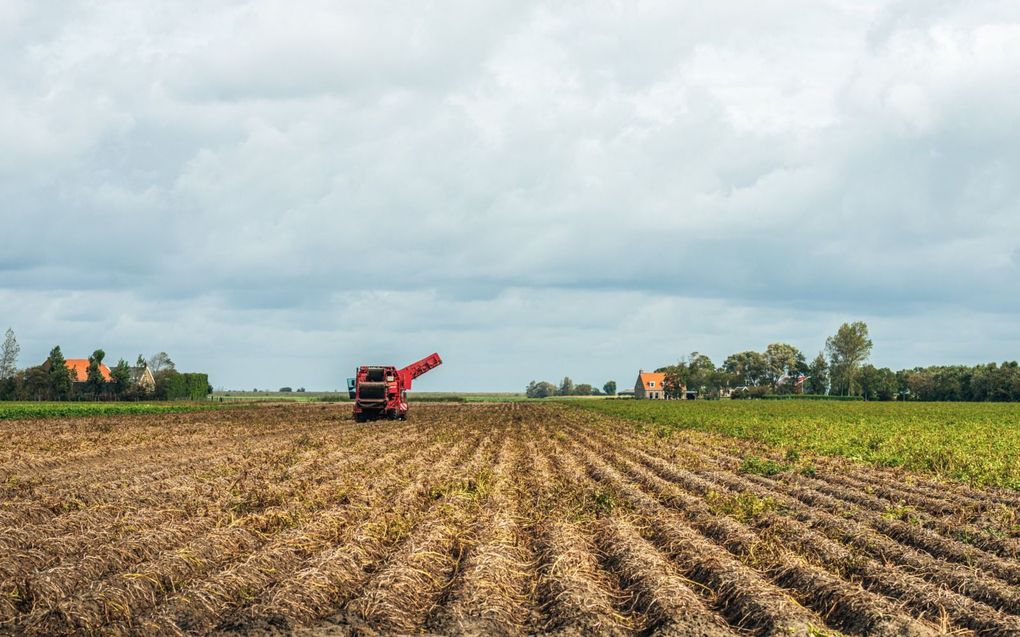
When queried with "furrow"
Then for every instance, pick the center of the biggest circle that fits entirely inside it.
(493, 594)
(745, 598)
(964, 580)
(826, 497)
(842, 604)
(50, 576)
(668, 599)
(575, 593)
(404, 594)
(927, 527)
(334, 576)
(125, 594)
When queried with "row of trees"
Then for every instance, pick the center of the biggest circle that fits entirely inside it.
(545, 389)
(841, 369)
(781, 368)
(53, 380)
(981, 383)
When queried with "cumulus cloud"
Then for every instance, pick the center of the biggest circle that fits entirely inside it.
(532, 190)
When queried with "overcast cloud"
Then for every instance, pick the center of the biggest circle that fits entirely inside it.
(274, 192)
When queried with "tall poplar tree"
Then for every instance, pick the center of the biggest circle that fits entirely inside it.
(848, 349)
(9, 355)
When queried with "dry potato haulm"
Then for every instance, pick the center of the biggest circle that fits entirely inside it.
(479, 519)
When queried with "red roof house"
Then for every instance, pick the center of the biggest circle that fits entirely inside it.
(80, 370)
(649, 385)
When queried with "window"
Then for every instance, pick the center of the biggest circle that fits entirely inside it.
(651, 383)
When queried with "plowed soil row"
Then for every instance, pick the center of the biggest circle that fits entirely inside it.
(504, 519)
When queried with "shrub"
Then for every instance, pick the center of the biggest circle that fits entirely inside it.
(172, 385)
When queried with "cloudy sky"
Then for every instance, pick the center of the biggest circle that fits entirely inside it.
(274, 192)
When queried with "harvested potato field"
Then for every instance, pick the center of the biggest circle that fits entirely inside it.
(480, 519)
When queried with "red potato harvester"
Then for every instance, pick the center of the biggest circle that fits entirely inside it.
(380, 391)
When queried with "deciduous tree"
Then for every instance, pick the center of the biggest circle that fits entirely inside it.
(848, 349)
(566, 387)
(878, 384)
(701, 372)
(9, 355)
(675, 379)
(610, 388)
(782, 359)
(818, 376)
(747, 368)
(37, 383)
(540, 389)
(161, 362)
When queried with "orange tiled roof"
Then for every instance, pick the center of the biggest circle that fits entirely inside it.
(647, 377)
(80, 368)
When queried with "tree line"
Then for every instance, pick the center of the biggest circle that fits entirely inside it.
(841, 369)
(780, 369)
(53, 380)
(545, 389)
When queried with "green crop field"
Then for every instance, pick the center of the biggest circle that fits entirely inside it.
(19, 410)
(977, 443)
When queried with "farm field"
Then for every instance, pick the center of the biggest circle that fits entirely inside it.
(277, 396)
(472, 519)
(976, 443)
(413, 396)
(22, 410)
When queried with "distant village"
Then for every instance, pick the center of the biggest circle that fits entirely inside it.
(59, 378)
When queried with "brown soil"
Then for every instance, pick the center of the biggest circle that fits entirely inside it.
(502, 519)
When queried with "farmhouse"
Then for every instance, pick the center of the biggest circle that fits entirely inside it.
(142, 378)
(79, 368)
(649, 386)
